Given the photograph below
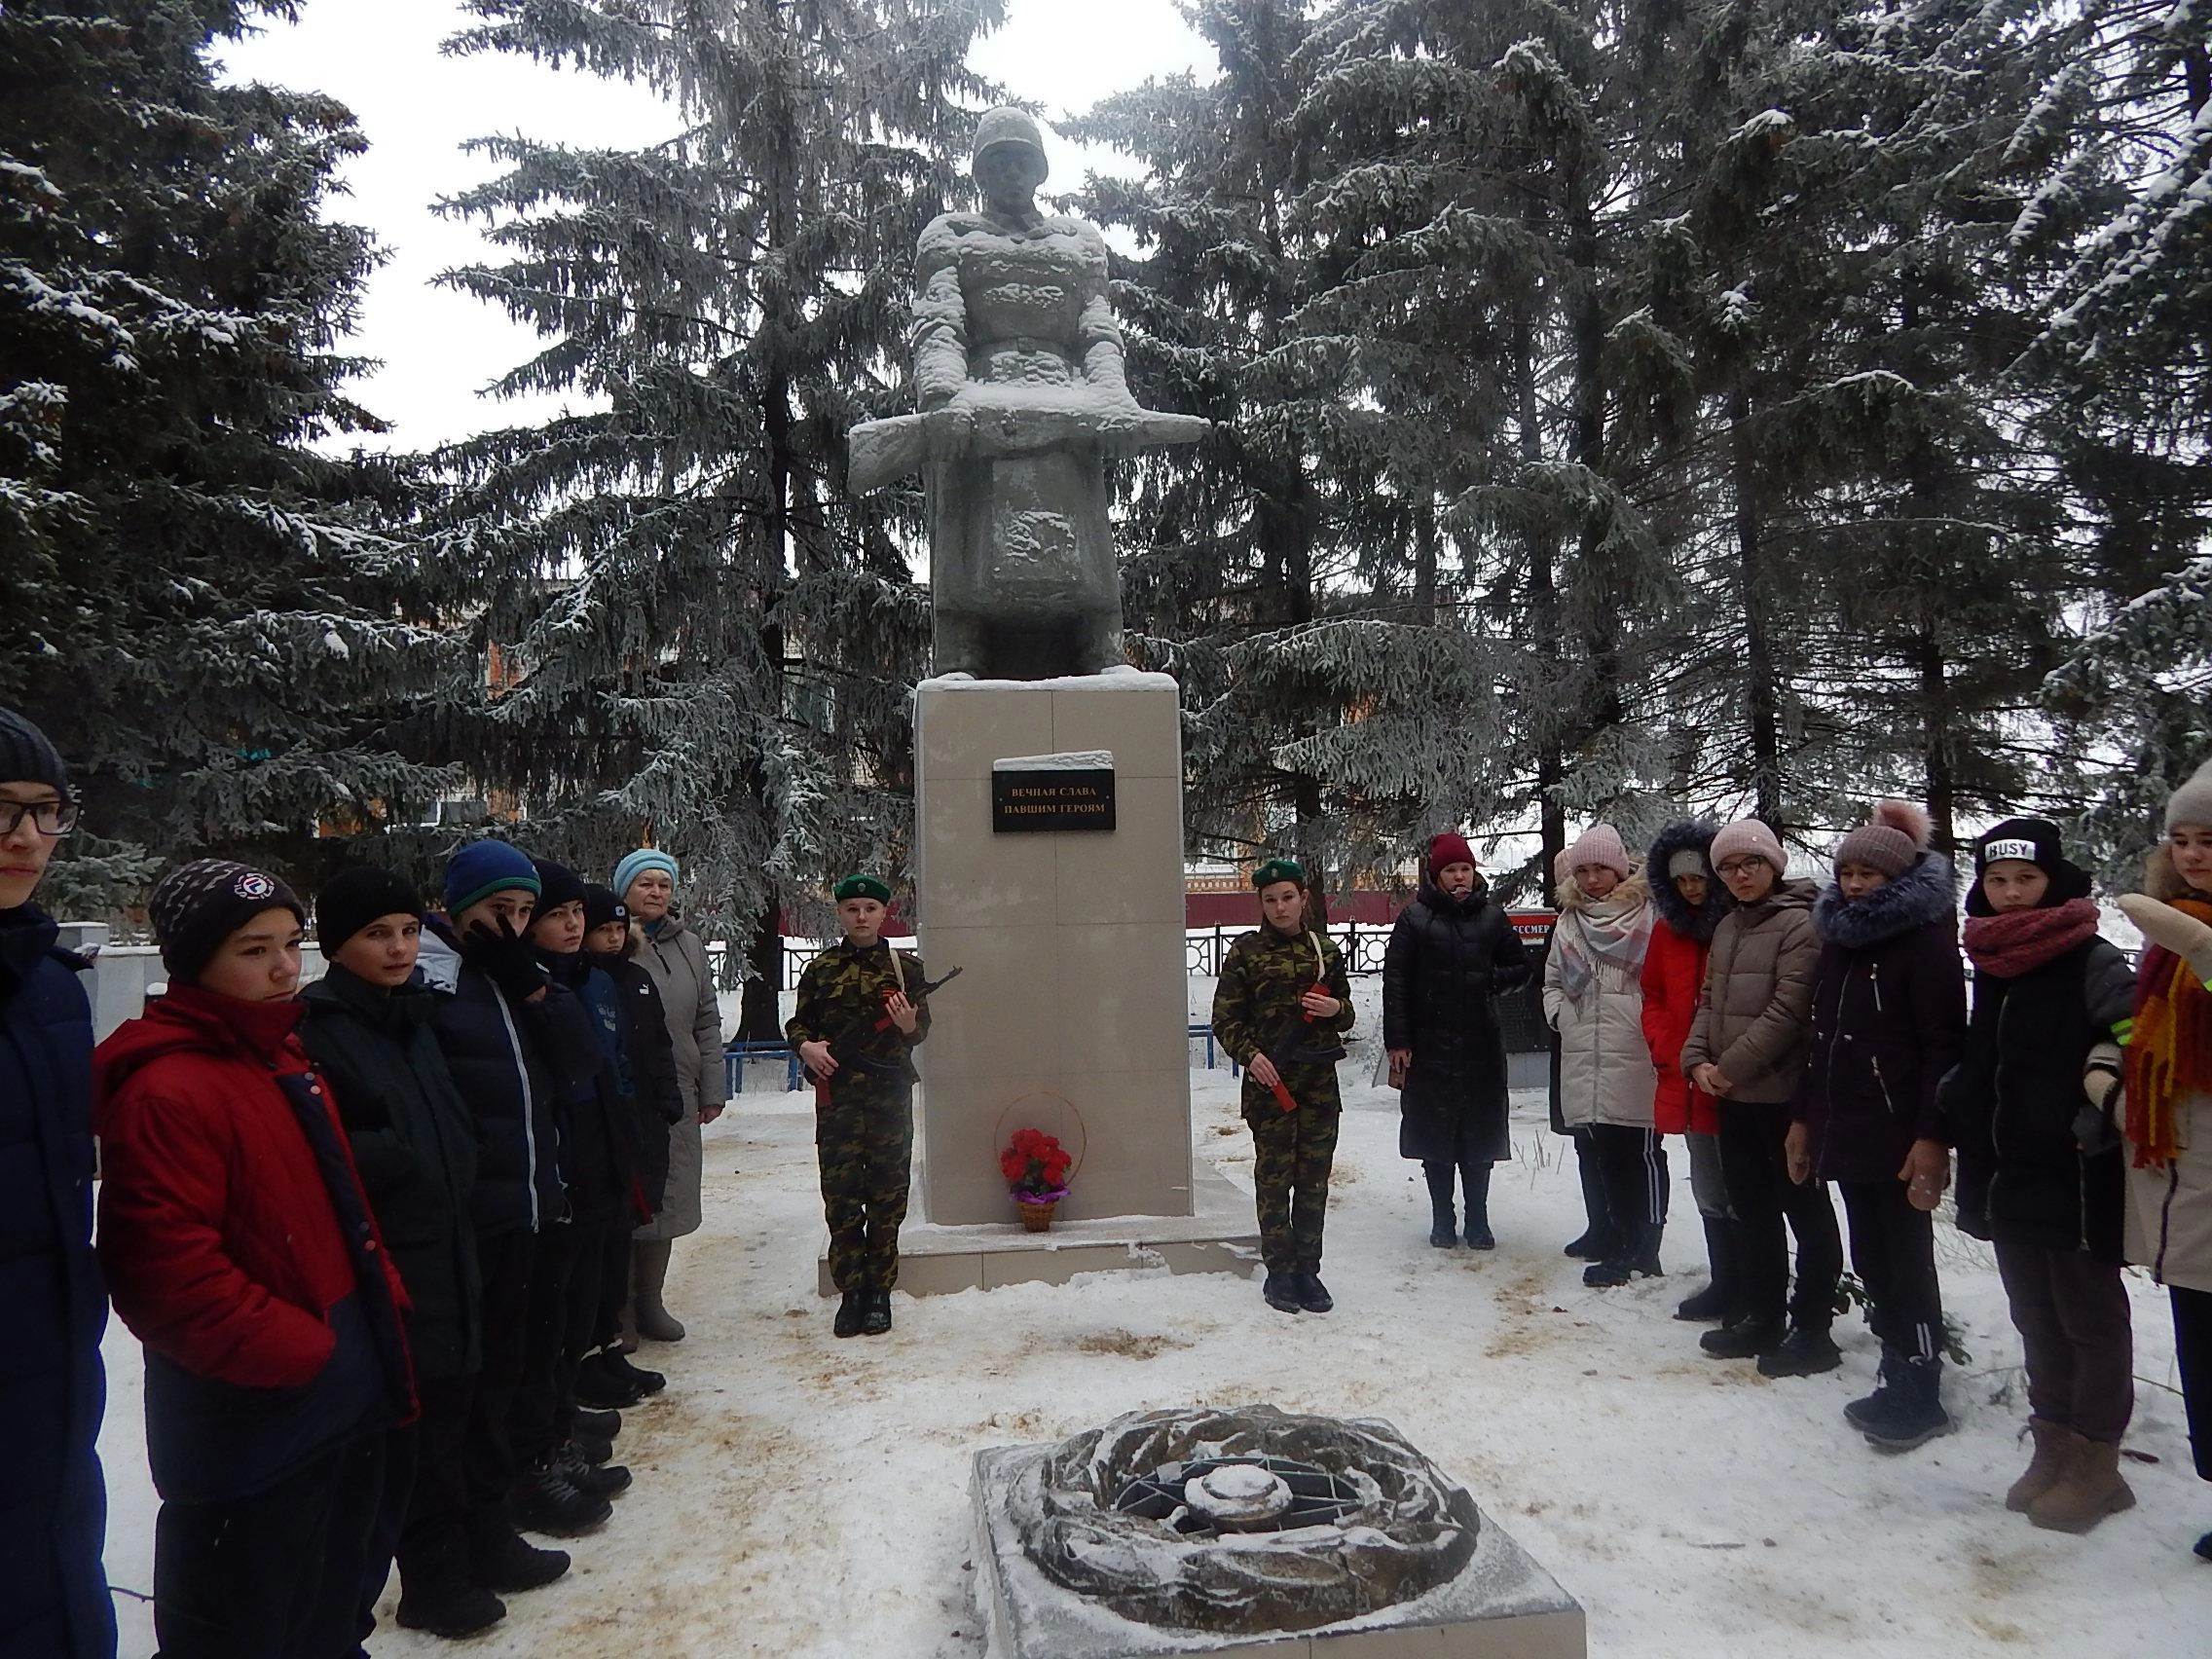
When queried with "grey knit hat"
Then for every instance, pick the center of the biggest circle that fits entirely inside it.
(28, 758)
(2191, 803)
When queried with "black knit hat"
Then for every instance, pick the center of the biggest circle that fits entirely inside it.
(601, 906)
(2031, 841)
(198, 906)
(355, 898)
(28, 758)
(557, 884)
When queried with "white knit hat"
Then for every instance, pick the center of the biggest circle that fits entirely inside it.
(2191, 803)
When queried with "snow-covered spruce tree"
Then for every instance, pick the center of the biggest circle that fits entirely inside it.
(1895, 565)
(194, 610)
(700, 637)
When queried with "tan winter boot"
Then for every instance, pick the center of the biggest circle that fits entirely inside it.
(2043, 1468)
(2089, 1488)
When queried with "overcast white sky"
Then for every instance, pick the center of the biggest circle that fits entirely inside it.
(439, 348)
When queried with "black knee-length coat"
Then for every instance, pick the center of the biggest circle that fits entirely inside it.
(1448, 961)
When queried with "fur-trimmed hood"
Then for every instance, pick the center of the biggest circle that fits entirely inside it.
(1691, 835)
(2161, 881)
(1925, 893)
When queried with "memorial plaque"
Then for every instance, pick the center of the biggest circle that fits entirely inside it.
(1052, 791)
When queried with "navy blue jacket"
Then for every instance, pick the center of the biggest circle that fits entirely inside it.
(54, 1600)
(505, 1063)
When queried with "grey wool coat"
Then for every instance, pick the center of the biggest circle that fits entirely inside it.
(1756, 1019)
(677, 959)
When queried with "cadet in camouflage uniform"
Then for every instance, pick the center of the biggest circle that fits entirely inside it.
(1268, 980)
(864, 1130)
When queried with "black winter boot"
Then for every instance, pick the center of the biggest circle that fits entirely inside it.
(1806, 1351)
(603, 1389)
(1869, 1407)
(1281, 1291)
(875, 1312)
(600, 1479)
(546, 1500)
(1746, 1338)
(1596, 1241)
(1909, 1412)
(1475, 1178)
(441, 1601)
(1312, 1295)
(1638, 1259)
(501, 1560)
(1715, 1301)
(600, 1425)
(849, 1310)
(1443, 1218)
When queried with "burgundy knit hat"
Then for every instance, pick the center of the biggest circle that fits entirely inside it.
(1601, 846)
(1448, 848)
(1891, 841)
(1747, 837)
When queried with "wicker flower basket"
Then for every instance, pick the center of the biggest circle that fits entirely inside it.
(1037, 1216)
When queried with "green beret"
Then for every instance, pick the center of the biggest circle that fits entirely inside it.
(863, 887)
(1278, 870)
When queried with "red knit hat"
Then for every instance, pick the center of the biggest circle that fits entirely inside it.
(1447, 849)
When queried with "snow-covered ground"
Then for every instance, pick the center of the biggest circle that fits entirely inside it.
(799, 1495)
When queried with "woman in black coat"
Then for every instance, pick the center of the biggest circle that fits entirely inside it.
(1452, 953)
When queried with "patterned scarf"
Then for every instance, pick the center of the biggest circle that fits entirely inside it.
(2169, 1056)
(2013, 942)
(1614, 930)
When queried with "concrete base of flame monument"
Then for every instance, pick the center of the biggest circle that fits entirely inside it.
(1071, 1014)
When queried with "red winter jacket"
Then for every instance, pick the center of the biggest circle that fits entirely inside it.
(222, 1249)
(1674, 978)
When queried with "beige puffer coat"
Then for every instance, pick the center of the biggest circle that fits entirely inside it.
(1754, 1020)
(677, 959)
(1605, 1074)
(2169, 1210)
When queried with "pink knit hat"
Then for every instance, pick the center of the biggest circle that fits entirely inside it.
(1598, 847)
(1748, 837)
(1891, 841)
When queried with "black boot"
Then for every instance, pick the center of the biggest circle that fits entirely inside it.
(439, 1598)
(1443, 1218)
(1595, 1242)
(875, 1312)
(620, 1367)
(849, 1309)
(1752, 1335)
(592, 1451)
(1637, 1259)
(600, 1479)
(1715, 1300)
(501, 1560)
(1871, 1407)
(603, 1389)
(1281, 1291)
(1806, 1350)
(1909, 1412)
(1312, 1295)
(1475, 1177)
(600, 1425)
(546, 1500)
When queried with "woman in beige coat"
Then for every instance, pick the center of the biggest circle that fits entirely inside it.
(677, 959)
(1594, 999)
(1746, 1049)
(2168, 1105)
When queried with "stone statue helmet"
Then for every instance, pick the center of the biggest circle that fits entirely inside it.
(1009, 161)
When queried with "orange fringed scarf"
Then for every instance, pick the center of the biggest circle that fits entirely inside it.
(2169, 1052)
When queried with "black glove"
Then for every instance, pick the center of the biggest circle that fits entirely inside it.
(505, 957)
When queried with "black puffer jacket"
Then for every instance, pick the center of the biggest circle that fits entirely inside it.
(414, 1149)
(2015, 1102)
(507, 1063)
(598, 1121)
(1447, 962)
(1889, 1021)
(657, 1085)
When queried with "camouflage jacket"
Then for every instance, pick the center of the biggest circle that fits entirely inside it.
(1262, 978)
(843, 989)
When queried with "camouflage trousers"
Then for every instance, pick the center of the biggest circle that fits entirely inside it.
(1291, 1156)
(865, 1140)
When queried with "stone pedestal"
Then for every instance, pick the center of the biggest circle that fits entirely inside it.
(1071, 1017)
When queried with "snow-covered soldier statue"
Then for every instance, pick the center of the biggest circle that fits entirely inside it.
(1018, 362)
